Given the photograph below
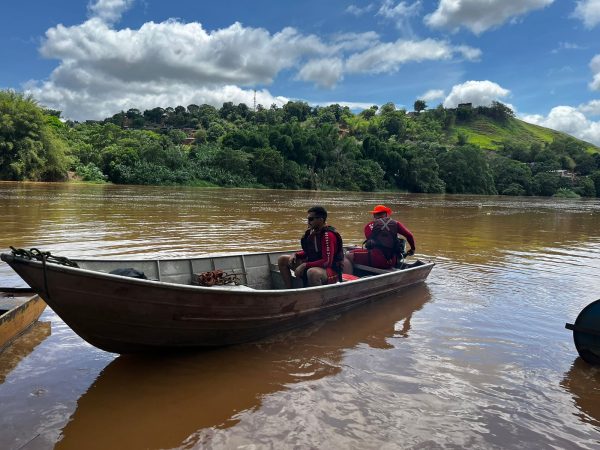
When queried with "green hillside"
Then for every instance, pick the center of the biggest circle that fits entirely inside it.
(488, 133)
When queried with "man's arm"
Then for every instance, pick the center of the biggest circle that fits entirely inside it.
(408, 235)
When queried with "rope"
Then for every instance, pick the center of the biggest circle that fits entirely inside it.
(44, 257)
(38, 255)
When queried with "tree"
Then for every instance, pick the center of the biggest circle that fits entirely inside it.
(29, 148)
(465, 170)
(511, 177)
(545, 183)
(299, 110)
(419, 106)
(267, 166)
(595, 177)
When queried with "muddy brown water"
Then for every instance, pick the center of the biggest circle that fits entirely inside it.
(475, 357)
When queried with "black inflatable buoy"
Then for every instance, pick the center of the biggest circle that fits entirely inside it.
(586, 333)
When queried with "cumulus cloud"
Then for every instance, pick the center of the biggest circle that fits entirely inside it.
(479, 93)
(182, 51)
(388, 57)
(595, 66)
(569, 120)
(323, 72)
(588, 11)
(591, 108)
(109, 10)
(102, 69)
(479, 16)
(432, 95)
(83, 105)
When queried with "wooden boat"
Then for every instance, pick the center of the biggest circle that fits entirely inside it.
(19, 310)
(125, 315)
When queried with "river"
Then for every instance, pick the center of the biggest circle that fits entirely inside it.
(476, 357)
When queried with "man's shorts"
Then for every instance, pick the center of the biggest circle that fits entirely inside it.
(332, 275)
(375, 259)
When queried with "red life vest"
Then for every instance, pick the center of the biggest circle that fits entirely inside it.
(313, 250)
(385, 237)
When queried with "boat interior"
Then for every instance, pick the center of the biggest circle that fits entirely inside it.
(10, 300)
(243, 271)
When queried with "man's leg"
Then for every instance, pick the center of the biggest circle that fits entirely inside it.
(316, 276)
(348, 263)
(284, 268)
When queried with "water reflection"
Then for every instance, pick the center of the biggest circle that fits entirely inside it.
(160, 402)
(583, 382)
(21, 347)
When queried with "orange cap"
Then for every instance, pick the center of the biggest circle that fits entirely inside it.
(381, 209)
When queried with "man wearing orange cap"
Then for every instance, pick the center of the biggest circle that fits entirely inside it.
(382, 242)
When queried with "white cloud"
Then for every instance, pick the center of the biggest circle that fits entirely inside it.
(353, 41)
(432, 95)
(109, 10)
(387, 57)
(591, 108)
(358, 11)
(323, 72)
(352, 105)
(479, 93)
(401, 10)
(82, 105)
(479, 16)
(588, 11)
(102, 69)
(181, 51)
(595, 66)
(569, 120)
(400, 13)
(567, 46)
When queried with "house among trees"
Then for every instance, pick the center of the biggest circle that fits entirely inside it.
(563, 173)
(465, 105)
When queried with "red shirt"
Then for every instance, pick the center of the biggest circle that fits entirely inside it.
(403, 231)
(328, 250)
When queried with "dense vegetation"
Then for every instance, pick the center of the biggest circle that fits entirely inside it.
(463, 150)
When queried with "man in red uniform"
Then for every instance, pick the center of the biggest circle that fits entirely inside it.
(380, 234)
(321, 258)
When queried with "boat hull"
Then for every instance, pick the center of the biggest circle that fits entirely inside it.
(17, 320)
(125, 315)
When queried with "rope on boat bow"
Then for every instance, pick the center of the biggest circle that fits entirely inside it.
(44, 257)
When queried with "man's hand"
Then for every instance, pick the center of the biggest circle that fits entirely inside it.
(300, 270)
(410, 252)
(293, 260)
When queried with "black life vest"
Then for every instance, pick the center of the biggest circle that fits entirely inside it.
(313, 251)
(385, 237)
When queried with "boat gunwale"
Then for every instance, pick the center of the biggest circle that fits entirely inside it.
(6, 257)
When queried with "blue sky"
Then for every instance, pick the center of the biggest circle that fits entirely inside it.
(91, 60)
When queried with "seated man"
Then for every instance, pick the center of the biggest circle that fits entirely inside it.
(322, 255)
(383, 245)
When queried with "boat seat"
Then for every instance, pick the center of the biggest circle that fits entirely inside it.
(373, 269)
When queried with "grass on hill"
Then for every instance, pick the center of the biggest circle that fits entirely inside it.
(490, 134)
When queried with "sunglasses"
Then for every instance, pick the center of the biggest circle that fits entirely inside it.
(311, 218)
